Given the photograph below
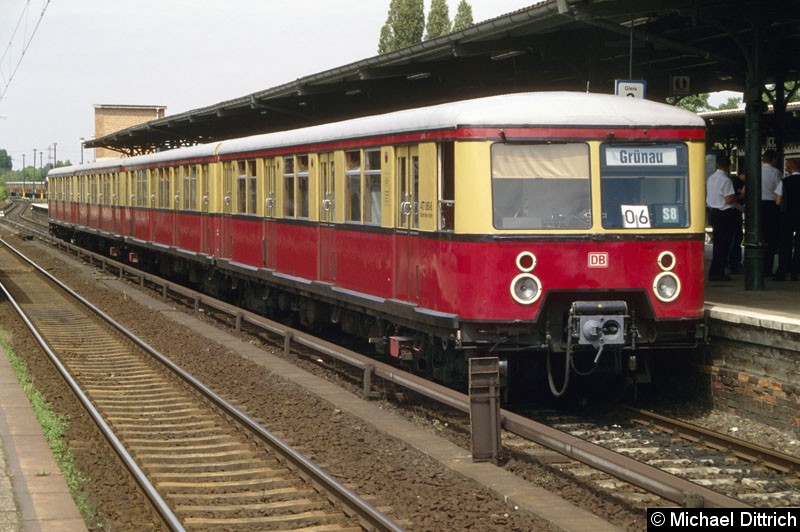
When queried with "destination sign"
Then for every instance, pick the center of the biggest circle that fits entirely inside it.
(641, 156)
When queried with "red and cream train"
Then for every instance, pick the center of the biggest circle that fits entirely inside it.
(525, 226)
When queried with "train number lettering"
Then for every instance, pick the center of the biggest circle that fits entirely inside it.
(670, 214)
(635, 216)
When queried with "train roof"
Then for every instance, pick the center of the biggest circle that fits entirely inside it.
(532, 109)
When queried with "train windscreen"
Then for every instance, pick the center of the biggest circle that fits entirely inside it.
(541, 186)
(644, 186)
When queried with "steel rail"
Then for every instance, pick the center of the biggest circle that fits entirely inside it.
(778, 461)
(661, 483)
(156, 501)
(366, 513)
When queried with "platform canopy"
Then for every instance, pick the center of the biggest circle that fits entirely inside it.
(677, 47)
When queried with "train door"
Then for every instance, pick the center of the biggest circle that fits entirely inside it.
(270, 211)
(327, 217)
(205, 222)
(407, 223)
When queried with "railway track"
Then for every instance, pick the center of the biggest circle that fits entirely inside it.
(201, 462)
(743, 471)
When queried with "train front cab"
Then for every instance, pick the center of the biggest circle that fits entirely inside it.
(589, 252)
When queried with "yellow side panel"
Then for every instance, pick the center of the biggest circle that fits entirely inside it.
(279, 187)
(428, 184)
(215, 192)
(313, 187)
(340, 189)
(388, 192)
(473, 188)
(697, 186)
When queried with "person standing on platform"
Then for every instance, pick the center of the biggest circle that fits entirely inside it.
(770, 178)
(735, 254)
(720, 197)
(788, 199)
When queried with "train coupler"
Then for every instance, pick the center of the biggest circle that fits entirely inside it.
(599, 323)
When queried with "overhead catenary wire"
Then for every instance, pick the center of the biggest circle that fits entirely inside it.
(26, 45)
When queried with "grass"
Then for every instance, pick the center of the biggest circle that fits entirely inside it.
(54, 426)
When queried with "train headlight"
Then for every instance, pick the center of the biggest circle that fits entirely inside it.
(526, 261)
(667, 287)
(666, 260)
(526, 288)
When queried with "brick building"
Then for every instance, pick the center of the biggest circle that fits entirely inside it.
(112, 118)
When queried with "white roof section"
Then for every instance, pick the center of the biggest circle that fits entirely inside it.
(532, 109)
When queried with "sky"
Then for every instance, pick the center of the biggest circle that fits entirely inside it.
(182, 54)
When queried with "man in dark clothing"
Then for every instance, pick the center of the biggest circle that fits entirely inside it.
(788, 197)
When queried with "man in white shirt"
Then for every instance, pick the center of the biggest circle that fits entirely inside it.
(770, 216)
(719, 199)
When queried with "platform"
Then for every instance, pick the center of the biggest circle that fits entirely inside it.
(781, 299)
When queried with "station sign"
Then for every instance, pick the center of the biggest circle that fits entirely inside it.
(632, 88)
(680, 85)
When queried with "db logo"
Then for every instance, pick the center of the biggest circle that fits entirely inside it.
(598, 260)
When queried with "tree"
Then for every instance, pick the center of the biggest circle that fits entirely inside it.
(5, 160)
(696, 103)
(463, 18)
(438, 20)
(732, 103)
(404, 25)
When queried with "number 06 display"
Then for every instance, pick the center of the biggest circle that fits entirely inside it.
(635, 216)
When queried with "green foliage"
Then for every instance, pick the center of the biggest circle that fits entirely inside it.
(732, 103)
(695, 103)
(438, 20)
(5, 161)
(463, 16)
(404, 25)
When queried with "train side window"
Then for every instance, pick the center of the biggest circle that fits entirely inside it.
(372, 187)
(251, 187)
(353, 182)
(141, 188)
(302, 186)
(189, 188)
(204, 180)
(241, 187)
(541, 186)
(288, 187)
(163, 197)
(270, 168)
(447, 211)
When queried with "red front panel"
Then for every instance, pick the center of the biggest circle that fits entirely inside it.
(473, 279)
